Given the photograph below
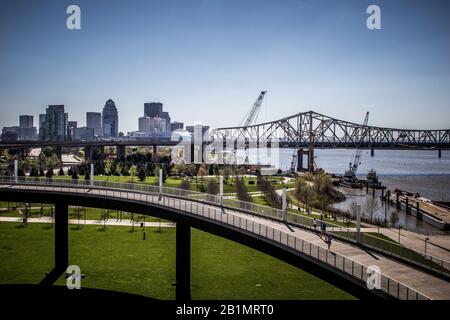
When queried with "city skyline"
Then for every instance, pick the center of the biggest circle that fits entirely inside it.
(308, 55)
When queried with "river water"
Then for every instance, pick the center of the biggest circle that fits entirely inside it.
(411, 170)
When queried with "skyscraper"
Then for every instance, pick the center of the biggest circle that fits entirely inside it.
(94, 121)
(176, 126)
(42, 126)
(153, 109)
(110, 119)
(26, 121)
(55, 123)
(72, 125)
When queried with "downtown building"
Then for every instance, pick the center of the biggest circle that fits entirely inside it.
(110, 119)
(94, 121)
(55, 126)
(25, 131)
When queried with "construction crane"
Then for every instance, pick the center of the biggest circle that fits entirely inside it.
(251, 116)
(350, 174)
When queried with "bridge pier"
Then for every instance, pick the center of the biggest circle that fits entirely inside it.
(58, 151)
(311, 159)
(299, 159)
(372, 152)
(440, 153)
(120, 151)
(183, 262)
(88, 153)
(61, 236)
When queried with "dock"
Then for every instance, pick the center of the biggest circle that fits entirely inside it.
(424, 209)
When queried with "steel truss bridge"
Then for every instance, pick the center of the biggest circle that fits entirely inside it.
(312, 129)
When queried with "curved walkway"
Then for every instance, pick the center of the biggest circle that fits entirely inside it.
(398, 280)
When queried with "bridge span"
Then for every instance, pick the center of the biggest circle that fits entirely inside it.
(345, 265)
(314, 130)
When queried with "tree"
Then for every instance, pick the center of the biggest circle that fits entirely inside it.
(49, 173)
(142, 174)
(156, 173)
(226, 174)
(212, 187)
(61, 172)
(393, 219)
(202, 171)
(41, 172)
(241, 190)
(107, 167)
(133, 171)
(74, 175)
(371, 205)
(34, 172)
(118, 170)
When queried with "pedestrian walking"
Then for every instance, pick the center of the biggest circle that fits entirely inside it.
(329, 241)
(323, 228)
(315, 224)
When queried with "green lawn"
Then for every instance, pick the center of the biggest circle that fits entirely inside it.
(91, 213)
(174, 182)
(118, 259)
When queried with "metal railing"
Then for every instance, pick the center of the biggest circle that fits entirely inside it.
(389, 248)
(182, 200)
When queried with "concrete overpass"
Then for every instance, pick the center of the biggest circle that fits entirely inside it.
(346, 266)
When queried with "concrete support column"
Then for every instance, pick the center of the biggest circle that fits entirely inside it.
(283, 205)
(221, 191)
(120, 152)
(58, 152)
(440, 153)
(61, 236)
(16, 170)
(87, 153)
(311, 159)
(299, 159)
(358, 223)
(372, 152)
(183, 262)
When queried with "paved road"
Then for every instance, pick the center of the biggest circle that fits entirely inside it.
(299, 239)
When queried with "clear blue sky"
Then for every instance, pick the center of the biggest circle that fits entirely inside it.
(207, 60)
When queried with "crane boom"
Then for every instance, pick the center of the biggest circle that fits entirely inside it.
(354, 166)
(252, 114)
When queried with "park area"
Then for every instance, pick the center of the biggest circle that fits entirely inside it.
(117, 258)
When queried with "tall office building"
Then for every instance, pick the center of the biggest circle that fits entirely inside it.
(176, 126)
(165, 116)
(94, 121)
(26, 121)
(148, 125)
(42, 126)
(55, 128)
(110, 119)
(153, 109)
(72, 125)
